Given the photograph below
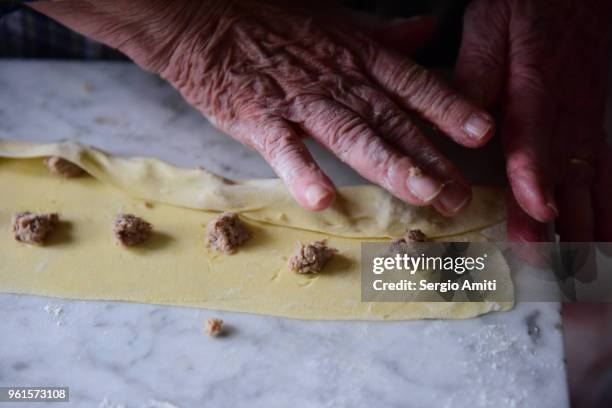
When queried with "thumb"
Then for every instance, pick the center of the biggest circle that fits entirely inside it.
(405, 35)
(480, 68)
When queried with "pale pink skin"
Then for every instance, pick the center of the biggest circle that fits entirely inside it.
(544, 64)
(269, 73)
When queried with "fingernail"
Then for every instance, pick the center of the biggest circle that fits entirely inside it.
(477, 127)
(453, 197)
(422, 186)
(315, 194)
(553, 207)
(549, 197)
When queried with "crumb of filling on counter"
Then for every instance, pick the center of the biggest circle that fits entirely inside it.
(214, 326)
(226, 232)
(34, 228)
(311, 258)
(62, 167)
(131, 230)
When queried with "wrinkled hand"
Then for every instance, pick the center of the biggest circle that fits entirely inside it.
(269, 73)
(544, 63)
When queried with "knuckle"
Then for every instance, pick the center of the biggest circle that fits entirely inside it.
(425, 89)
(411, 80)
(483, 57)
(370, 50)
(345, 134)
(390, 124)
(287, 157)
(398, 130)
(380, 114)
(378, 158)
(276, 146)
(430, 158)
(448, 107)
(531, 78)
(366, 102)
(306, 107)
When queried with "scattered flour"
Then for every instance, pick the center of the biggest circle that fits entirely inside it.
(497, 357)
(152, 403)
(159, 404)
(54, 310)
(107, 404)
(57, 312)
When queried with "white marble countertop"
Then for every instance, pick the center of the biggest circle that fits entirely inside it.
(114, 354)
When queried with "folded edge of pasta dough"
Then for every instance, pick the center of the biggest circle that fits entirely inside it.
(358, 212)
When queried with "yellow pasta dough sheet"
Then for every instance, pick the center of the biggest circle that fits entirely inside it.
(82, 260)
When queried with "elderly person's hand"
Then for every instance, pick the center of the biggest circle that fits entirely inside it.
(269, 73)
(544, 64)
